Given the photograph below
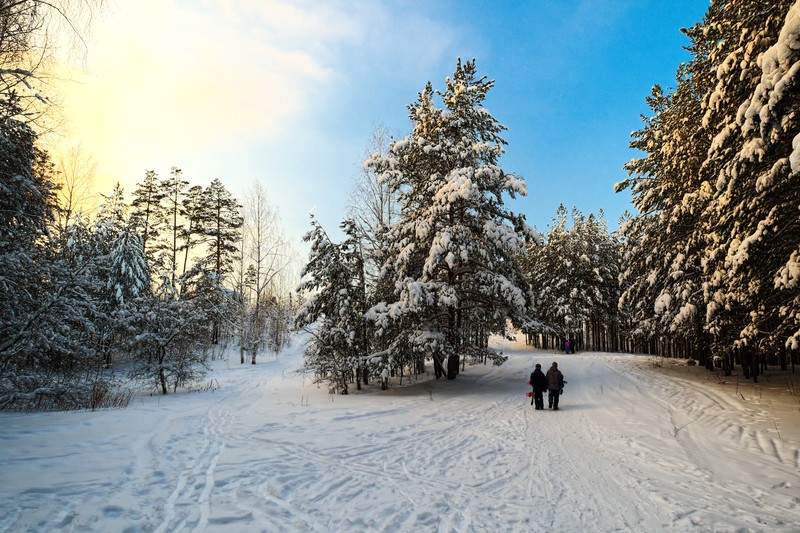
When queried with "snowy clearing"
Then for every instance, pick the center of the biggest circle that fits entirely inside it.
(633, 448)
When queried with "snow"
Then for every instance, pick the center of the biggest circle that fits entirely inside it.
(788, 276)
(780, 67)
(662, 303)
(794, 158)
(633, 448)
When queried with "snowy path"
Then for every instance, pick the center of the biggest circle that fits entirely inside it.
(630, 450)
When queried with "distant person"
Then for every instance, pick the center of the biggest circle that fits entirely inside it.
(539, 384)
(555, 384)
(566, 346)
(384, 378)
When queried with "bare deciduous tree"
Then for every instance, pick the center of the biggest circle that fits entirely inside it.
(372, 205)
(30, 33)
(75, 172)
(269, 256)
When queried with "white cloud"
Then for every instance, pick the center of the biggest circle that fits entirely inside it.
(248, 89)
(178, 75)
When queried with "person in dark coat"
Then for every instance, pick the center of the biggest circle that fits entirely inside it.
(555, 383)
(539, 384)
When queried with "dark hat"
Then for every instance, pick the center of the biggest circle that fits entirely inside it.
(538, 365)
(555, 364)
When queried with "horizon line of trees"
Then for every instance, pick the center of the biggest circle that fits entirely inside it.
(711, 261)
(142, 291)
(145, 291)
(432, 261)
(708, 268)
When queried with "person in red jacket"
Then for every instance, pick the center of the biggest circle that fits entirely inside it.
(555, 383)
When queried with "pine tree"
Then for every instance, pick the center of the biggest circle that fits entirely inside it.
(714, 238)
(27, 209)
(120, 266)
(550, 273)
(147, 198)
(602, 250)
(222, 225)
(335, 306)
(754, 115)
(222, 222)
(174, 192)
(575, 275)
(452, 256)
(195, 212)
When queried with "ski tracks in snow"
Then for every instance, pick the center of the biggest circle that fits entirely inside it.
(188, 503)
(628, 451)
(682, 449)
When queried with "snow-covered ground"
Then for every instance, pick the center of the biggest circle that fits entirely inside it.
(634, 448)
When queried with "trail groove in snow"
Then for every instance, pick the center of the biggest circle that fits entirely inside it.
(632, 449)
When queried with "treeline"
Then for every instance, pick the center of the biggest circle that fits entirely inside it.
(575, 275)
(708, 268)
(143, 290)
(711, 262)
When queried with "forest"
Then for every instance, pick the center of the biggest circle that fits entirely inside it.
(433, 259)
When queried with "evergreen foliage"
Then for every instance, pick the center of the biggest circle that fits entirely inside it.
(451, 257)
(168, 338)
(712, 255)
(335, 305)
(575, 277)
(147, 204)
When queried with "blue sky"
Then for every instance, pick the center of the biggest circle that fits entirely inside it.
(287, 93)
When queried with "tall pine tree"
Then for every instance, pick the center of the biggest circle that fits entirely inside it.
(452, 255)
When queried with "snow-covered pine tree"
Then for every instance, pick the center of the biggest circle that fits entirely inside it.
(335, 303)
(453, 255)
(120, 266)
(147, 212)
(599, 264)
(548, 267)
(192, 234)
(662, 272)
(717, 187)
(580, 283)
(168, 338)
(574, 274)
(637, 300)
(27, 209)
(222, 222)
(754, 114)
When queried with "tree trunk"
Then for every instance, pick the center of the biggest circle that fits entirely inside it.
(161, 376)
